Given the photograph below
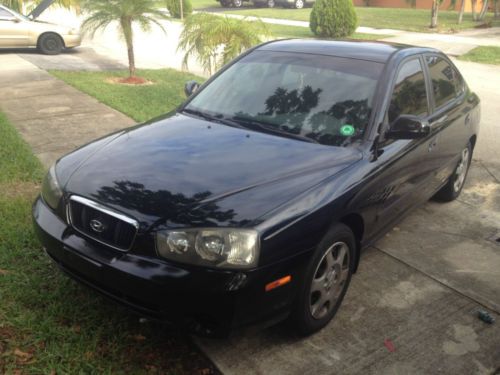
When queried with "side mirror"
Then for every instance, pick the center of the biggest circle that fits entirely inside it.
(190, 88)
(408, 127)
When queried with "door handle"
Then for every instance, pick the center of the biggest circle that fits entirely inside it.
(467, 119)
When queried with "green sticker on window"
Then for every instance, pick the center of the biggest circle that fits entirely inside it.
(347, 130)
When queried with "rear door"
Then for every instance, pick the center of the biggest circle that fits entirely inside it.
(13, 30)
(451, 117)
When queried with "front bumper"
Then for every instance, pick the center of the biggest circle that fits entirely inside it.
(205, 301)
(71, 41)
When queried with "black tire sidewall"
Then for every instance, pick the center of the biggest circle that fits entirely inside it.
(447, 192)
(305, 324)
(43, 40)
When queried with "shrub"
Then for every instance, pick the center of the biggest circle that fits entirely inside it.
(174, 7)
(333, 18)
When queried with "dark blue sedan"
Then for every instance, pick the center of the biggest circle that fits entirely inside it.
(253, 201)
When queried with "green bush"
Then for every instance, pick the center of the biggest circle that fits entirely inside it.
(174, 7)
(333, 18)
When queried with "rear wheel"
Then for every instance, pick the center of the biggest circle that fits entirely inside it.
(237, 3)
(326, 281)
(50, 44)
(455, 184)
(271, 3)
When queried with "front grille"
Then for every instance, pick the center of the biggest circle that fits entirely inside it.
(102, 224)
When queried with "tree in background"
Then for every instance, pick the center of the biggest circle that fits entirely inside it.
(102, 13)
(216, 40)
(434, 13)
(333, 18)
(174, 8)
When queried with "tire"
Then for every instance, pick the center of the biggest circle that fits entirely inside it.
(237, 3)
(456, 181)
(225, 3)
(299, 4)
(271, 3)
(325, 281)
(50, 44)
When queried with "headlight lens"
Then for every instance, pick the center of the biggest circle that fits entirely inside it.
(51, 191)
(219, 247)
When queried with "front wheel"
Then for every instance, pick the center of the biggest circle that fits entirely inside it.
(455, 184)
(271, 3)
(50, 44)
(326, 281)
(237, 3)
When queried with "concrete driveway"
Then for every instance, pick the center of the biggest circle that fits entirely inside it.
(411, 307)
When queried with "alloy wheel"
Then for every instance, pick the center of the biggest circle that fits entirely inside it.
(329, 280)
(299, 4)
(461, 170)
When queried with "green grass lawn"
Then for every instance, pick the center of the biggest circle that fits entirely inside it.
(48, 323)
(485, 55)
(139, 102)
(380, 18)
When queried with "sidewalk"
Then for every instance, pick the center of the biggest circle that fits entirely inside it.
(451, 44)
(52, 117)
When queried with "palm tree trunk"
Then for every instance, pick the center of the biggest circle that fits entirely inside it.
(434, 14)
(461, 14)
(484, 9)
(126, 24)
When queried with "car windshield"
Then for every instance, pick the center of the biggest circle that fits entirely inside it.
(317, 98)
(14, 13)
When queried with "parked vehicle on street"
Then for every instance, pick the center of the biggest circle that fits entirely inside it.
(298, 4)
(252, 202)
(18, 31)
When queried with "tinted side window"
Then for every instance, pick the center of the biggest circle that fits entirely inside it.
(409, 96)
(447, 84)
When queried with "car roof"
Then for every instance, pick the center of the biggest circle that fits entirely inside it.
(363, 50)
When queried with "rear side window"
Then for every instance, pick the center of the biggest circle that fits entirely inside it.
(409, 96)
(447, 84)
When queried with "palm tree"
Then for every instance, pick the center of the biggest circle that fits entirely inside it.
(215, 40)
(126, 12)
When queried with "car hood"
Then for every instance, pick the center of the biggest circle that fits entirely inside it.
(186, 171)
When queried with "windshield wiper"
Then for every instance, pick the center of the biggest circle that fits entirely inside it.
(213, 118)
(254, 124)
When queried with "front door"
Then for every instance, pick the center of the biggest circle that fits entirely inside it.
(405, 167)
(13, 30)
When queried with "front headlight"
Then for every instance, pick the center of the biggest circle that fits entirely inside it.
(219, 247)
(51, 191)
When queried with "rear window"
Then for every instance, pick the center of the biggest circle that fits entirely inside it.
(447, 84)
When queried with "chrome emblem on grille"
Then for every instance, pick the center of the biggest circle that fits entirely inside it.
(97, 226)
